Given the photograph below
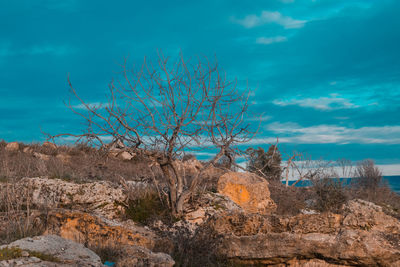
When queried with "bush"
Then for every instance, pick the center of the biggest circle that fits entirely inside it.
(369, 176)
(266, 164)
(330, 194)
(146, 209)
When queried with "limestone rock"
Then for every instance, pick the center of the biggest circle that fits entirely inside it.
(93, 230)
(12, 147)
(49, 145)
(125, 155)
(362, 236)
(248, 190)
(62, 252)
(97, 197)
(28, 150)
(41, 156)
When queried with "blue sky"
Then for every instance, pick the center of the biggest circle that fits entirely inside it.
(325, 73)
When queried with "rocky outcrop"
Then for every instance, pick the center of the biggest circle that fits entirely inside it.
(93, 230)
(12, 147)
(97, 197)
(363, 236)
(248, 190)
(49, 250)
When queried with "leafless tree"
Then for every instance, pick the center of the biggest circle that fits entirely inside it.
(346, 167)
(166, 109)
(369, 176)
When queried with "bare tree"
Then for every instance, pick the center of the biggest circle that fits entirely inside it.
(346, 167)
(369, 176)
(166, 109)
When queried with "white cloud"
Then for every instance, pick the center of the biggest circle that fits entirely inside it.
(322, 103)
(271, 40)
(91, 105)
(266, 17)
(260, 118)
(333, 134)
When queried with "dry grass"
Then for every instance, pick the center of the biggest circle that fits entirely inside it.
(79, 164)
(17, 218)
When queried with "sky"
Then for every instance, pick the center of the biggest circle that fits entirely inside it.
(324, 74)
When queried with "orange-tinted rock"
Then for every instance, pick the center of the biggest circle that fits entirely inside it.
(92, 230)
(248, 190)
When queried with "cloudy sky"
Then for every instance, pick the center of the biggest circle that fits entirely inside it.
(325, 74)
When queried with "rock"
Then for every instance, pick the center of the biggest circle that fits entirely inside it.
(248, 190)
(12, 147)
(65, 158)
(97, 197)
(125, 155)
(93, 230)
(41, 156)
(54, 251)
(139, 256)
(27, 150)
(49, 145)
(362, 236)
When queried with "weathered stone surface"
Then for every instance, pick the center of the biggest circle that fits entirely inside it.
(41, 156)
(125, 155)
(93, 230)
(248, 190)
(97, 197)
(140, 256)
(12, 147)
(64, 252)
(49, 145)
(362, 236)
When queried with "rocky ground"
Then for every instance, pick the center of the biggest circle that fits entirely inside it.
(85, 224)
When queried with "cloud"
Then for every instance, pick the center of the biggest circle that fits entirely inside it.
(333, 134)
(332, 102)
(93, 105)
(267, 17)
(271, 40)
(260, 118)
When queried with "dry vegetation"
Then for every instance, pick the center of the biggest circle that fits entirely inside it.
(77, 163)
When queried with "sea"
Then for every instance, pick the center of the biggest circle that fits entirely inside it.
(392, 181)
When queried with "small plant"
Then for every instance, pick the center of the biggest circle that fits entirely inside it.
(9, 253)
(145, 209)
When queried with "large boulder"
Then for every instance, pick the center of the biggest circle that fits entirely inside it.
(12, 147)
(49, 250)
(248, 190)
(362, 236)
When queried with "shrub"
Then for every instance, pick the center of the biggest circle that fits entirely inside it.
(330, 194)
(266, 164)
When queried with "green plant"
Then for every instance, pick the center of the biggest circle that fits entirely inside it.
(145, 209)
(9, 253)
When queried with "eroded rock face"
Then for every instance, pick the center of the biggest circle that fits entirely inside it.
(93, 230)
(96, 197)
(62, 252)
(362, 236)
(248, 190)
